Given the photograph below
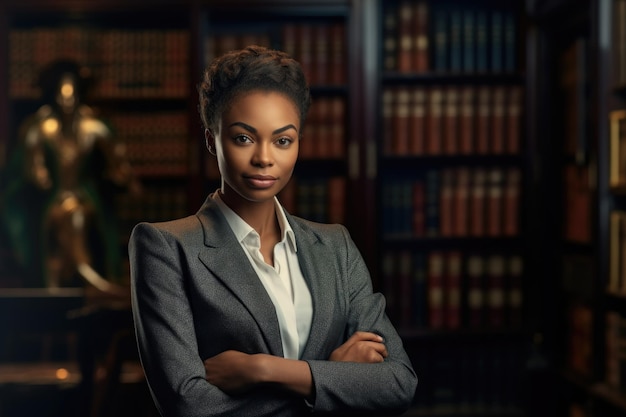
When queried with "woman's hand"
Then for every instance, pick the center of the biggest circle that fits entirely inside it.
(363, 347)
(231, 371)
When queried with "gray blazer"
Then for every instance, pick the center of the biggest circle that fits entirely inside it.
(195, 294)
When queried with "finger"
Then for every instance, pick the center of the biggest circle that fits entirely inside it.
(367, 336)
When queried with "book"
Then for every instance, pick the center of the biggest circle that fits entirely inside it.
(435, 282)
(495, 299)
(515, 296)
(453, 272)
(494, 204)
(483, 120)
(467, 120)
(390, 42)
(400, 140)
(450, 124)
(434, 121)
(419, 290)
(461, 202)
(446, 203)
(513, 115)
(511, 202)
(475, 297)
(405, 36)
(421, 18)
(497, 131)
(477, 203)
(417, 122)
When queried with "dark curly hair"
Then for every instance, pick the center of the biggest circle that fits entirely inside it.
(254, 68)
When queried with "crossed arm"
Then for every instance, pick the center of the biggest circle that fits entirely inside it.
(236, 372)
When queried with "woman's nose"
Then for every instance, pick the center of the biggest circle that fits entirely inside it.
(262, 155)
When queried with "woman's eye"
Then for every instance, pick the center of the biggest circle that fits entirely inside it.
(242, 139)
(284, 141)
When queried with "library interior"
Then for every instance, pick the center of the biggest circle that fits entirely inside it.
(475, 150)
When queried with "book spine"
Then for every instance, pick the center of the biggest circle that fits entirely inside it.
(436, 307)
(406, 37)
(453, 290)
(475, 291)
(417, 123)
(495, 291)
(421, 43)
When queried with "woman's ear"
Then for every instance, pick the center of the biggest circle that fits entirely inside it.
(209, 140)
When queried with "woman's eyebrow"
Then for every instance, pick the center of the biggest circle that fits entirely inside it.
(253, 130)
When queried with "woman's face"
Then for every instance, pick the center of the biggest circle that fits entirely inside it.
(257, 146)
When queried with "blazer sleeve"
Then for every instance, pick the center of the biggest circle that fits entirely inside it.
(388, 386)
(166, 335)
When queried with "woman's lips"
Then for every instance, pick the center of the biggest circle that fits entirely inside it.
(260, 181)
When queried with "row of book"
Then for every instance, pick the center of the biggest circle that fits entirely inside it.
(321, 50)
(157, 144)
(123, 63)
(471, 379)
(156, 202)
(324, 133)
(445, 36)
(453, 202)
(319, 47)
(452, 120)
(618, 43)
(453, 290)
(320, 199)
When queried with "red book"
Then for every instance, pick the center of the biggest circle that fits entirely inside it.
(420, 32)
(483, 120)
(434, 116)
(497, 121)
(515, 290)
(513, 115)
(417, 116)
(435, 285)
(309, 135)
(453, 290)
(475, 291)
(461, 202)
(495, 291)
(405, 36)
(400, 142)
(451, 121)
(477, 203)
(467, 120)
(511, 202)
(494, 203)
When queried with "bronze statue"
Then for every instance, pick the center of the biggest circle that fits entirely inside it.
(58, 206)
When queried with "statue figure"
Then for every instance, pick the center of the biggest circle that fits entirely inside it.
(58, 206)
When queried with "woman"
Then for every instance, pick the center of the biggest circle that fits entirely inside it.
(243, 309)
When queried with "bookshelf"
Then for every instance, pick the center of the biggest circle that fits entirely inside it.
(417, 141)
(452, 187)
(580, 106)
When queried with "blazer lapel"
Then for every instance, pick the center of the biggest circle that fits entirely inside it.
(313, 255)
(225, 258)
